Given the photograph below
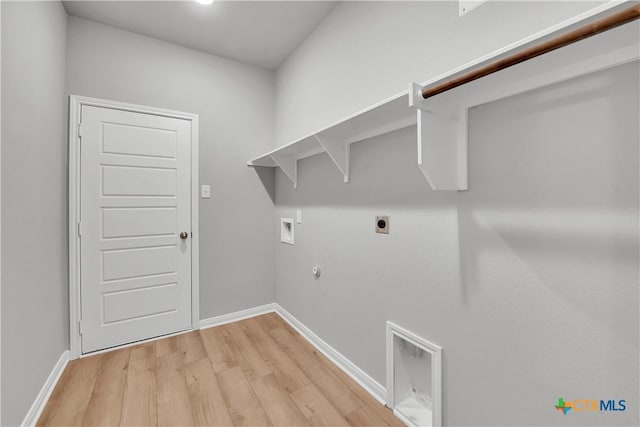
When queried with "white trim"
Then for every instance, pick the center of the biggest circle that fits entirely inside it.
(238, 315)
(195, 224)
(74, 242)
(75, 108)
(370, 385)
(45, 392)
(136, 108)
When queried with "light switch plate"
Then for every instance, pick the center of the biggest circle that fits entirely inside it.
(299, 216)
(205, 192)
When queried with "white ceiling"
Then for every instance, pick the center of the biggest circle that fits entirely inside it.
(261, 33)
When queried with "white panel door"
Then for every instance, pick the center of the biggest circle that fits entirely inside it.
(135, 267)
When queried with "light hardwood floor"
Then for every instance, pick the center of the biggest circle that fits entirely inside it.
(256, 372)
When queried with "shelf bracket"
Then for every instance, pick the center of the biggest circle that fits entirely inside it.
(338, 151)
(289, 165)
(442, 144)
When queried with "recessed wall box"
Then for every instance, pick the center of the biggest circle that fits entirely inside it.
(382, 224)
(286, 231)
(413, 377)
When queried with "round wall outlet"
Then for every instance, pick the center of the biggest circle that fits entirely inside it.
(382, 224)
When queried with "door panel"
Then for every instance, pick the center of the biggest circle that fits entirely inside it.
(139, 141)
(135, 200)
(138, 222)
(134, 303)
(138, 262)
(138, 181)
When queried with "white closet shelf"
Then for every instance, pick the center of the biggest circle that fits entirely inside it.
(441, 120)
(335, 140)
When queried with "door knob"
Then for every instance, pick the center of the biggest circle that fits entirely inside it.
(184, 235)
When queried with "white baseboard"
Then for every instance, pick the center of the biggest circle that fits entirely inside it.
(373, 387)
(238, 315)
(45, 392)
(370, 385)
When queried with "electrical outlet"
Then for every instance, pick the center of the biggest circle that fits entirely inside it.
(382, 224)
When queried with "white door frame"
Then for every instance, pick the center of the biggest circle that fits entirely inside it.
(75, 107)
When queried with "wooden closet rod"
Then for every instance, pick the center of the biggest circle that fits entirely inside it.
(604, 24)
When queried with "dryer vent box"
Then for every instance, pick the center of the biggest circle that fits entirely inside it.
(413, 377)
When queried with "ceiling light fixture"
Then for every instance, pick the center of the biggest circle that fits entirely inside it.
(205, 2)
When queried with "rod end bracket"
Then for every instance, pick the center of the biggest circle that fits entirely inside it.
(416, 99)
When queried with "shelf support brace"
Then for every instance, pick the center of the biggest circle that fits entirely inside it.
(338, 151)
(442, 144)
(289, 165)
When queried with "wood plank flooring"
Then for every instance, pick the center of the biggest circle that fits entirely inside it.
(256, 372)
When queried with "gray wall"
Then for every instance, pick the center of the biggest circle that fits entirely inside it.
(235, 105)
(364, 52)
(34, 201)
(529, 280)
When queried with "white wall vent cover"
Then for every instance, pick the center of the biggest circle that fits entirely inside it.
(414, 377)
